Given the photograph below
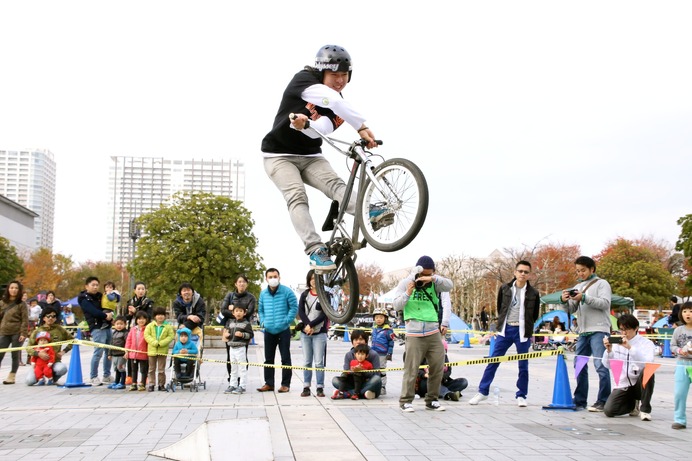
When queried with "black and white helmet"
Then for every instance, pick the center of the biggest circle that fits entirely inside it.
(334, 58)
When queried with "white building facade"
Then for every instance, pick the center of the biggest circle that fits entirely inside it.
(27, 177)
(17, 226)
(138, 185)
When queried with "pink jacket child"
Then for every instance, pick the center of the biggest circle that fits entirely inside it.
(43, 368)
(135, 341)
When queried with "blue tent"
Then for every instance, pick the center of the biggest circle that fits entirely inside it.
(660, 323)
(457, 326)
(548, 317)
(72, 301)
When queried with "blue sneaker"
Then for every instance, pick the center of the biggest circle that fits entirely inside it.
(50, 382)
(320, 260)
(118, 386)
(41, 382)
(380, 216)
(112, 385)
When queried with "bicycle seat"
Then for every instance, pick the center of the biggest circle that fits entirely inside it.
(333, 213)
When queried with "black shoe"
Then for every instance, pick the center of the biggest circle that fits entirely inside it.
(162, 388)
(597, 407)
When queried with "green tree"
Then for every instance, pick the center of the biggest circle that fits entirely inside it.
(200, 238)
(634, 270)
(684, 243)
(11, 265)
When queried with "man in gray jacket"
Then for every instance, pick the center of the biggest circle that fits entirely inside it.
(590, 299)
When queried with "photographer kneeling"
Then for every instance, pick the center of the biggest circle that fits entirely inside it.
(635, 352)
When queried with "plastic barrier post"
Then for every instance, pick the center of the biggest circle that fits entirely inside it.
(666, 349)
(562, 394)
(346, 338)
(74, 373)
(492, 346)
(467, 341)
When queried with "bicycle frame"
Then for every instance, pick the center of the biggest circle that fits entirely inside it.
(362, 161)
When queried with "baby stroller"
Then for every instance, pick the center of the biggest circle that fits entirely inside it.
(185, 372)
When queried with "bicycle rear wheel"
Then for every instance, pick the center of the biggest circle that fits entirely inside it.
(338, 291)
(392, 212)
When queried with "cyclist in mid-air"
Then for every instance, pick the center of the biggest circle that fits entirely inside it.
(293, 157)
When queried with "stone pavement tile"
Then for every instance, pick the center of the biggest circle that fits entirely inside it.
(331, 455)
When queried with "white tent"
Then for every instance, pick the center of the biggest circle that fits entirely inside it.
(387, 298)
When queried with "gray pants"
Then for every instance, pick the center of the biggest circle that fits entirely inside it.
(417, 349)
(290, 174)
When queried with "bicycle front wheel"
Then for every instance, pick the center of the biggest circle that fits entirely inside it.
(338, 291)
(392, 210)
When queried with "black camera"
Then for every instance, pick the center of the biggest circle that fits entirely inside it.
(615, 339)
(420, 284)
(573, 292)
(299, 326)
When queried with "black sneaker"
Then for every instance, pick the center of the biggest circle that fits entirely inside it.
(434, 406)
(597, 407)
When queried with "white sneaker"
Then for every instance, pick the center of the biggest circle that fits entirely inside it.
(106, 380)
(95, 382)
(407, 408)
(645, 416)
(521, 401)
(369, 395)
(635, 412)
(478, 398)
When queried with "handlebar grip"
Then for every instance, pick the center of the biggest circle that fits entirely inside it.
(293, 116)
(378, 142)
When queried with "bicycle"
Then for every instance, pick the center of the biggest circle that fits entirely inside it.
(394, 194)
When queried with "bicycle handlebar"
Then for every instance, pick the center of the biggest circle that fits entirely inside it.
(361, 142)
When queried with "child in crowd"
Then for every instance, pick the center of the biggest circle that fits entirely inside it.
(118, 356)
(681, 344)
(43, 368)
(238, 333)
(382, 341)
(135, 342)
(344, 383)
(158, 335)
(184, 367)
(358, 365)
(110, 300)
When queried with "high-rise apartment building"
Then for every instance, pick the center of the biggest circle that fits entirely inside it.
(28, 178)
(140, 184)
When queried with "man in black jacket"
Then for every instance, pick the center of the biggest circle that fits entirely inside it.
(90, 302)
(518, 304)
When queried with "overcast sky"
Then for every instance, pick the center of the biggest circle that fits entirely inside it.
(569, 121)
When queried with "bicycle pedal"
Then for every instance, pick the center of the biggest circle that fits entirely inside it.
(331, 217)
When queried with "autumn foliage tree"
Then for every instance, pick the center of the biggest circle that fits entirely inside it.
(45, 270)
(553, 267)
(369, 278)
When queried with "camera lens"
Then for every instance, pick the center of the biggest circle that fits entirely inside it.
(420, 284)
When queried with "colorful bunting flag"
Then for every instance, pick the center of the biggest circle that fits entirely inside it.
(579, 363)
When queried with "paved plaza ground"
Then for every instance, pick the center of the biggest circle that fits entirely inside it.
(52, 423)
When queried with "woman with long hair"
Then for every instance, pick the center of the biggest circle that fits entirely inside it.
(313, 336)
(14, 324)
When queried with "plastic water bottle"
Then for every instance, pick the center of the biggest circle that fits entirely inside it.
(496, 396)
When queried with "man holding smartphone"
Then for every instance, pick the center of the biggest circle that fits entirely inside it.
(590, 299)
(635, 352)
